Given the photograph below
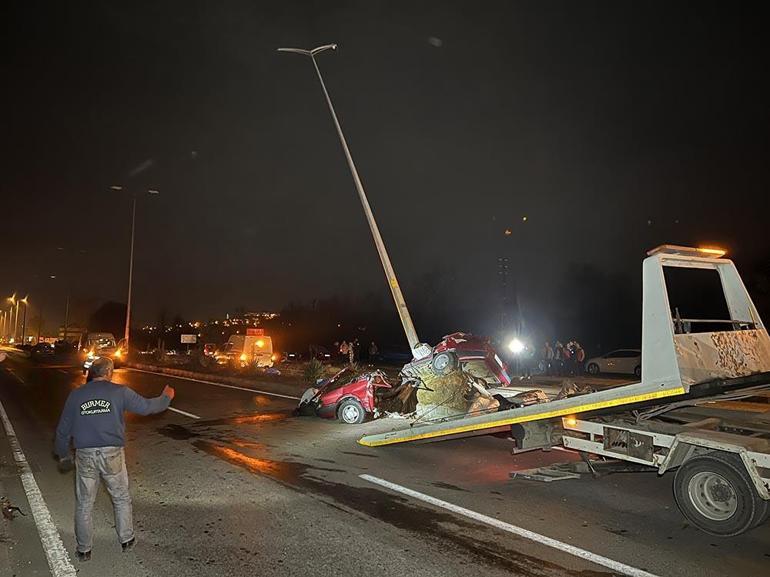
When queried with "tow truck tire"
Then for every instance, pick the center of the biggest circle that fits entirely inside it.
(715, 493)
(638, 372)
(351, 412)
(444, 363)
(593, 369)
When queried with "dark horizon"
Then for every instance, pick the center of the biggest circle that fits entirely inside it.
(611, 128)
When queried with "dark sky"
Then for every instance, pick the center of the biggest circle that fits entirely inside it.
(612, 126)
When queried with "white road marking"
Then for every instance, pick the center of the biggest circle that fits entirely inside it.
(616, 566)
(185, 413)
(58, 559)
(17, 377)
(217, 384)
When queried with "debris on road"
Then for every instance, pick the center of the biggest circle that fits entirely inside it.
(9, 509)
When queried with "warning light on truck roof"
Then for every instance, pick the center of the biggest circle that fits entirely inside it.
(712, 251)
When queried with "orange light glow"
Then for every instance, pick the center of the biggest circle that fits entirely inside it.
(713, 251)
(570, 421)
(258, 418)
(260, 343)
(251, 463)
(244, 357)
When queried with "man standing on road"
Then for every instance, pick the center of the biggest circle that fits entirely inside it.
(93, 418)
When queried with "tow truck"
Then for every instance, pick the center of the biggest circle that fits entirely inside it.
(674, 418)
(689, 363)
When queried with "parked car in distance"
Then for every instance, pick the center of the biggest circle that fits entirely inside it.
(42, 350)
(624, 361)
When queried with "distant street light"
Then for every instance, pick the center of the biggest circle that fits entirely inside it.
(395, 289)
(126, 334)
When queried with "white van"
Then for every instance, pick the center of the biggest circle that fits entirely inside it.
(246, 350)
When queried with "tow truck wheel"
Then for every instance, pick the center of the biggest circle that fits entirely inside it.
(593, 369)
(715, 493)
(638, 372)
(444, 363)
(351, 412)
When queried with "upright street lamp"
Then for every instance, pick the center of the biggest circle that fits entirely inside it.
(14, 302)
(24, 318)
(126, 335)
(395, 289)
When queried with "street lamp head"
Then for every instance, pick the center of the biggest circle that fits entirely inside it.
(153, 191)
(24, 300)
(12, 299)
(116, 187)
(313, 52)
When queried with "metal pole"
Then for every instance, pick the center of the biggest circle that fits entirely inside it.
(130, 274)
(66, 318)
(24, 320)
(390, 273)
(16, 322)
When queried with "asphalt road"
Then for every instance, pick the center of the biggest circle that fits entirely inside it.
(247, 489)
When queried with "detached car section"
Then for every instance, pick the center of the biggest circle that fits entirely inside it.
(347, 397)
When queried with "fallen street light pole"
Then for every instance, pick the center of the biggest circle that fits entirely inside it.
(390, 273)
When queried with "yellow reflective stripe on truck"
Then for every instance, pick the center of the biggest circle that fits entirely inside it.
(523, 419)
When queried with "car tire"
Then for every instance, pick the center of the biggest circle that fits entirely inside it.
(351, 412)
(444, 363)
(715, 493)
(593, 369)
(638, 372)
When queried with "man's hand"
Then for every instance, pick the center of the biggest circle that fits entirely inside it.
(169, 392)
(66, 465)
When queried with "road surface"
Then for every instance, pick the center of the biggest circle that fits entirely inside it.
(235, 485)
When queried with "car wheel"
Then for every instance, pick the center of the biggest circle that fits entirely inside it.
(444, 363)
(715, 493)
(593, 369)
(638, 372)
(351, 412)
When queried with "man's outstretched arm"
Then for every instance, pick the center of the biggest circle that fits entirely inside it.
(136, 403)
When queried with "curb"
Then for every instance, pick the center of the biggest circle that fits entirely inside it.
(224, 379)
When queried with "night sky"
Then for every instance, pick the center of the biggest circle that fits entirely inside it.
(611, 126)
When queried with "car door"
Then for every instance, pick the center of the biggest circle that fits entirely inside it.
(626, 362)
(609, 362)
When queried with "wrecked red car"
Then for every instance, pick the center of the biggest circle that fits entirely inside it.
(473, 354)
(347, 397)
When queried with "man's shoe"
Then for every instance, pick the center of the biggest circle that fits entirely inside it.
(128, 545)
(83, 556)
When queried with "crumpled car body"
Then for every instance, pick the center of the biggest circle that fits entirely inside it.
(475, 355)
(346, 396)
